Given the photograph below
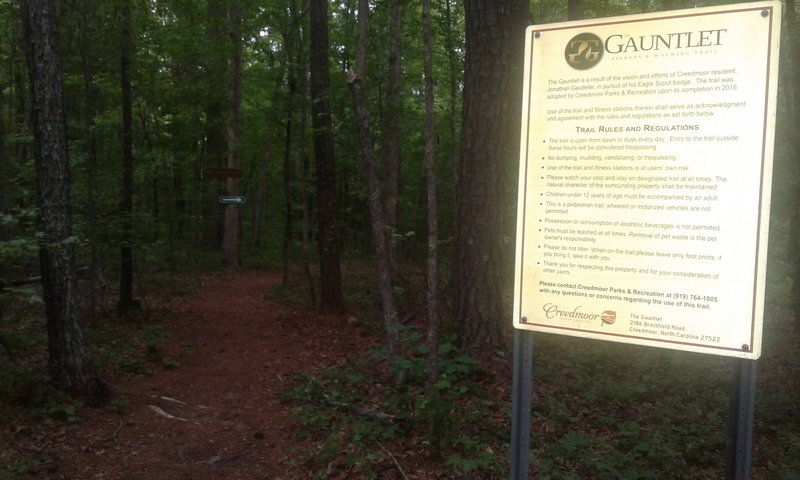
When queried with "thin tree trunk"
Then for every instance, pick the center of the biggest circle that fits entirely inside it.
(87, 35)
(290, 64)
(262, 178)
(126, 192)
(454, 70)
(391, 159)
(305, 169)
(70, 364)
(215, 140)
(288, 182)
(306, 224)
(20, 105)
(4, 230)
(433, 236)
(230, 239)
(331, 298)
(356, 82)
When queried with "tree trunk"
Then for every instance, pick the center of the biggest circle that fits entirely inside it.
(291, 64)
(230, 238)
(385, 284)
(489, 150)
(574, 9)
(214, 98)
(87, 36)
(306, 205)
(330, 271)
(126, 192)
(288, 185)
(433, 236)
(4, 231)
(453, 79)
(70, 364)
(790, 71)
(391, 158)
(262, 184)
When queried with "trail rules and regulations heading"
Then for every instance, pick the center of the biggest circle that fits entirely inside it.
(645, 178)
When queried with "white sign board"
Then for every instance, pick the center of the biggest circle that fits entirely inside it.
(645, 173)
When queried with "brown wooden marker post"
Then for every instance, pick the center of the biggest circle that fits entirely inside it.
(222, 173)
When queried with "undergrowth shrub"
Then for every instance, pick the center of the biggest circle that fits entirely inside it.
(14, 466)
(353, 417)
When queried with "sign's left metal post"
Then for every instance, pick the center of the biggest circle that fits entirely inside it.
(521, 404)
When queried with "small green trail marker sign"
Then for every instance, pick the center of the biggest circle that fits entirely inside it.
(232, 200)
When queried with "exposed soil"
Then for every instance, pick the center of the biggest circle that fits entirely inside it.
(217, 415)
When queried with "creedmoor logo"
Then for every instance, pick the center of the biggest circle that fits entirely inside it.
(584, 51)
(551, 310)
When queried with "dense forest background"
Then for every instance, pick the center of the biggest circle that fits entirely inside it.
(349, 142)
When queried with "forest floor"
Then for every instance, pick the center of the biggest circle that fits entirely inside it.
(212, 408)
(229, 376)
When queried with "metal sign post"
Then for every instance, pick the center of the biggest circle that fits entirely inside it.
(521, 404)
(739, 443)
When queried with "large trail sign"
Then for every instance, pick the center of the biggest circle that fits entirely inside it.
(645, 174)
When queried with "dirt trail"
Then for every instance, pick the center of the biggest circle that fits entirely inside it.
(218, 414)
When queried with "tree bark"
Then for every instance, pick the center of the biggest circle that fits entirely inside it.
(87, 36)
(790, 71)
(126, 191)
(391, 158)
(330, 271)
(385, 283)
(574, 9)
(4, 231)
(291, 63)
(489, 150)
(70, 364)
(433, 235)
(453, 70)
(214, 98)
(230, 237)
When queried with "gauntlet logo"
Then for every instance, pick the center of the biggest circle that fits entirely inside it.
(584, 51)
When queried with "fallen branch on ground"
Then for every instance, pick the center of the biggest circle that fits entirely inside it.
(164, 414)
(396, 463)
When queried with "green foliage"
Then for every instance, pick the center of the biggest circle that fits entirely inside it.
(19, 253)
(14, 466)
(34, 394)
(132, 350)
(605, 418)
(119, 405)
(602, 410)
(116, 348)
(351, 415)
(170, 363)
(154, 336)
